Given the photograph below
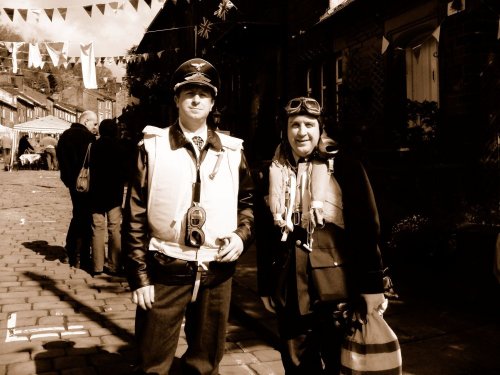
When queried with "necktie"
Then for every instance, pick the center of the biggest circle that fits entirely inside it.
(198, 141)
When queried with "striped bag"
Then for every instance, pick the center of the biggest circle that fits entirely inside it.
(373, 349)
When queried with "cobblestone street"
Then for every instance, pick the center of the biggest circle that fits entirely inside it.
(58, 320)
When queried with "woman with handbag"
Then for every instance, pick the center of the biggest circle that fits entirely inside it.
(321, 256)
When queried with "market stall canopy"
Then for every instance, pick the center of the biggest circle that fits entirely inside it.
(5, 129)
(45, 125)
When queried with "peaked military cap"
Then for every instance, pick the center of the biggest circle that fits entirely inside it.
(196, 72)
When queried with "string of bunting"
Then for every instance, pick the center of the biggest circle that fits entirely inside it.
(28, 14)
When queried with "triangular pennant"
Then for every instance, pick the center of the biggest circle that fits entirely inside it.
(36, 14)
(148, 2)
(160, 53)
(416, 51)
(436, 33)
(62, 12)
(102, 60)
(117, 60)
(114, 5)
(42, 64)
(134, 3)
(23, 13)
(121, 6)
(9, 46)
(77, 60)
(88, 9)
(10, 13)
(49, 13)
(385, 44)
(145, 56)
(101, 7)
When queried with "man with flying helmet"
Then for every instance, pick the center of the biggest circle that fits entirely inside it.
(321, 258)
(188, 218)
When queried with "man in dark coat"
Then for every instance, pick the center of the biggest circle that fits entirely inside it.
(71, 151)
(108, 169)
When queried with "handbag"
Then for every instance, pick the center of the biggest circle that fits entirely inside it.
(372, 348)
(83, 179)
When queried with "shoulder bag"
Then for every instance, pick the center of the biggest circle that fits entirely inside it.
(83, 179)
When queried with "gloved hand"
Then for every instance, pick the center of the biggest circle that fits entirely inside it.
(375, 302)
(268, 304)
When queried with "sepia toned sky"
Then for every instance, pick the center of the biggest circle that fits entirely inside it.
(112, 33)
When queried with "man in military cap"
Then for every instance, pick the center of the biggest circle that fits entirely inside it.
(188, 218)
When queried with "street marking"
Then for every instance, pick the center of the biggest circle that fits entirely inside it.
(14, 334)
(23, 221)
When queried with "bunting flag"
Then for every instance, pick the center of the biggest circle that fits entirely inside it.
(58, 52)
(10, 13)
(49, 13)
(223, 9)
(134, 3)
(34, 56)
(36, 14)
(385, 44)
(436, 33)
(88, 9)
(23, 13)
(205, 28)
(62, 12)
(114, 6)
(148, 2)
(15, 47)
(88, 65)
(101, 7)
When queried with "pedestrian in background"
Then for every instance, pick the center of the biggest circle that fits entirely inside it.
(108, 169)
(6, 150)
(24, 146)
(71, 150)
(49, 144)
(187, 219)
(320, 258)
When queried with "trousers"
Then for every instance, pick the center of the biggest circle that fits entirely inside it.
(106, 222)
(157, 330)
(79, 231)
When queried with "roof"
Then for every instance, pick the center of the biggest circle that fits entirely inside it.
(47, 125)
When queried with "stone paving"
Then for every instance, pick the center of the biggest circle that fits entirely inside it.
(58, 320)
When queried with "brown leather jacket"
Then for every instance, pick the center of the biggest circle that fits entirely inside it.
(135, 232)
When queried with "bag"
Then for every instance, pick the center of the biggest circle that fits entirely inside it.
(83, 179)
(372, 348)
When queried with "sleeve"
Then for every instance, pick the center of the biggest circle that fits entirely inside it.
(135, 233)
(362, 228)
(246, 196)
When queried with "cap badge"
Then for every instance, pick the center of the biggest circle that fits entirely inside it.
(197, 66)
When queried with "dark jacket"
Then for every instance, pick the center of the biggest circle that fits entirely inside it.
(107, 173)
(24, 144)
(135, 233)
(71, 150)
(352, 251)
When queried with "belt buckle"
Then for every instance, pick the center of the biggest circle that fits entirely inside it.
(296, 217)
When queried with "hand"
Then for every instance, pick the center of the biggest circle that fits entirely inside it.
(144, 297)
(375, 302)
(230, 249)
(268, 304)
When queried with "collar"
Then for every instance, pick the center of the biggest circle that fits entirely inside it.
(178, 139)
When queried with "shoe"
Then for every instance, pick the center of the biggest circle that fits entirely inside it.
(96, 273)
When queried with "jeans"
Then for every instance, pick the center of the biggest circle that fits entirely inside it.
(110, 221)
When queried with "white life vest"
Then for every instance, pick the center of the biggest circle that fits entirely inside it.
(171, 175)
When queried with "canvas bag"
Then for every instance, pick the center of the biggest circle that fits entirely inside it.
(83, 179)
(371, 349)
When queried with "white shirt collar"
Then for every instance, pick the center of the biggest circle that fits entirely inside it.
(201, 132)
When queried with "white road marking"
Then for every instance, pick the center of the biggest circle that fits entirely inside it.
(28, 334)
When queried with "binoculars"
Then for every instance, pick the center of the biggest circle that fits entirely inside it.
(196, 217)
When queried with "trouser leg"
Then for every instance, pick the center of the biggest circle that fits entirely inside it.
(206, 323)
(114, 217)
(79, 231)
(98, 239)
(157, 330)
